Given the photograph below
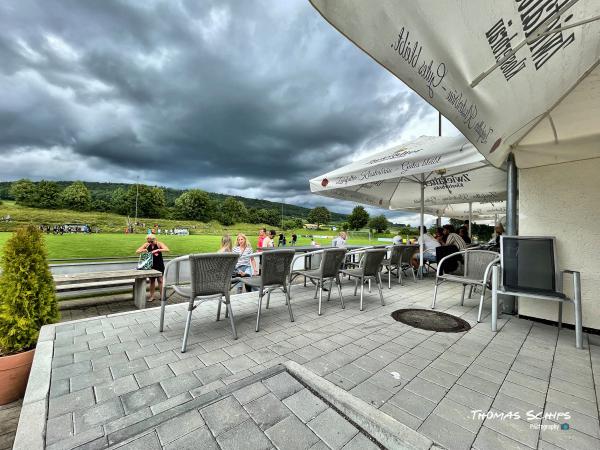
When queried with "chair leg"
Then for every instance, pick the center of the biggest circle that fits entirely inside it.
(380, 289)
(412, 269)
(560, 308)
(219, 311)
(481, 304)
(400, 280)
(317, 289)
(339, 285)
(260, 296)
(163, 304)
(188, 322)
(320, 296)
(462, 299)
(578, 315)
(362, 288)
(369, 281)
(434, 295)
(355, 286)
(471, 291)
(229, 312)
(268, 298)
(389, 278)
(289, 302)
(329, 293)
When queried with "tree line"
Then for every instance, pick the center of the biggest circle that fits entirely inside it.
(193, 204)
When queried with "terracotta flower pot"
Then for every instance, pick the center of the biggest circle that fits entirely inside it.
(14, 373)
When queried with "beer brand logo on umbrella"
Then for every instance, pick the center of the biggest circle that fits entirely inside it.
(324, 182)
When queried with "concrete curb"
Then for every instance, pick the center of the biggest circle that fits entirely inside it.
(31, 430)
(386, 430)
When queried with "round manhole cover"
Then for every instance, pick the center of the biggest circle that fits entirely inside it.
(426, 319)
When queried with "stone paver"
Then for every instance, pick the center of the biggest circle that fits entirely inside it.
(428, 381)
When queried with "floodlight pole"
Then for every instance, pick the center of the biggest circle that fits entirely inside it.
(137, 193)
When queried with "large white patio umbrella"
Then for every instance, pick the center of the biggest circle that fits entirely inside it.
(470, 210)
(512, 76)
(425, 172)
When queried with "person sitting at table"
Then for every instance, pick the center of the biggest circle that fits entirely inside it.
(245, 266)
(340, 240)
(269, 240)
(499, 231)
(429, 245)
(463, 232)
(439, 235)
(226, 246)
(451, 238)
(156, 248)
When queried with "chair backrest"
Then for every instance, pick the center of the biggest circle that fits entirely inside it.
(529, 263)
(407, 252)
(372, 261)
(396, 256)
(476, 261)
(276, 266)
(211, 273)
(332, 259)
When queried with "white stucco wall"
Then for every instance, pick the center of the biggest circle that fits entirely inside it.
(564, 201)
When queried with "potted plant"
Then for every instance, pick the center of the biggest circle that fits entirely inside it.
(27, 302)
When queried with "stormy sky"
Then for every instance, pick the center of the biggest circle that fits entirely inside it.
(250, 98)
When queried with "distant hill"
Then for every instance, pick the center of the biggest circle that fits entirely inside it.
(104, 191)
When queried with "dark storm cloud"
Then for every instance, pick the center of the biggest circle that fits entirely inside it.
(244, 97)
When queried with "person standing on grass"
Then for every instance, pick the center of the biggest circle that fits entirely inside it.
(157, 249)
(294, 239)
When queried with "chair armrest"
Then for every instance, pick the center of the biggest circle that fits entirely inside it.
(173, 265)
(304, 255)
(451, 255)
(488, 269)
(571, 272)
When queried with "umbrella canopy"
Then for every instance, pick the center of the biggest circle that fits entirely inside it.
(479, 210)
(449, 169)
(512, 76)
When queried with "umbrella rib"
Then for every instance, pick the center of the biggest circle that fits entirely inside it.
(544, 26)
(558, 102)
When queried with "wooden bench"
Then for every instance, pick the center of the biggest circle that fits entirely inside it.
(98, 280)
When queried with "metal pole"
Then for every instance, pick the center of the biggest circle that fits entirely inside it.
(512, 190)
(422, 223)
(439, 123)
(470, 216)
(137, 193)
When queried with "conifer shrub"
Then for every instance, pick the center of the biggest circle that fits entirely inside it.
(27, 293)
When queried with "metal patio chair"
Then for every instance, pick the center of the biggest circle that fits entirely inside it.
(275, 272)
(369, 269)
(329, 270)
(210, 280)
(476, 271)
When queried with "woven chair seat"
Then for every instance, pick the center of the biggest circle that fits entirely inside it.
(353, 272)
(252, 281)
(312, 273)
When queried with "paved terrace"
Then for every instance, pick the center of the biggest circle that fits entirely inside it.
(117, 372)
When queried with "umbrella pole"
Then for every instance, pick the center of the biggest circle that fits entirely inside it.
(421, 226)
(470, 216)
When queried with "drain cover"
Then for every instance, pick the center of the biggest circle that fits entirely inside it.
(426, 319)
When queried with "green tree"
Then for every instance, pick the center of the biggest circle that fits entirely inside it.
(232, 211)
(359, 218)
(150, 200)
(24, 192)
(27, 297)
(266, 216)
(345, 226)
(319, 215)
(100, 205)
(119, 201)
(76, 196)
(379, 223)
(195, 205)
(48, 194)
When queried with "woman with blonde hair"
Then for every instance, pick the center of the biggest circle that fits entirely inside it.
(157, 249)
(225, 244)
(246, 266)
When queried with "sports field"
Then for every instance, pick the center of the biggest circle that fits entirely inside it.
(120, 245)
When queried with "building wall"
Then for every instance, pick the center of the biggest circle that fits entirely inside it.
(564, 201)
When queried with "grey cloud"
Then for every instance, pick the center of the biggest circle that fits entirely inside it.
(236, 97)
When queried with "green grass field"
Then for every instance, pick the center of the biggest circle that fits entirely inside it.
(113, 242)
(120, 245)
